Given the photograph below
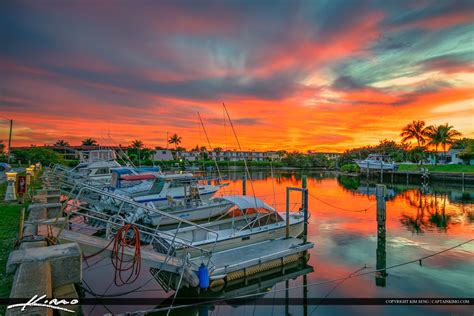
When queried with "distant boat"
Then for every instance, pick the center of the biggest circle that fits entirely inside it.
(376, 162)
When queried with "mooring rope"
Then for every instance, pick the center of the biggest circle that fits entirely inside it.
(339, 208)
(121, 241)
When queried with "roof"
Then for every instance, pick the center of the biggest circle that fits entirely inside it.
(244, 202)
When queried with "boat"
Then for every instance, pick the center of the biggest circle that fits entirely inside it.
(160, 189)
(249, 220)
(376, 162)
(96, 165)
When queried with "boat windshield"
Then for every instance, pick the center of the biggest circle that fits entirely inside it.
(157, 186)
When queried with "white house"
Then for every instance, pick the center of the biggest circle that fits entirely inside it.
(163, 155)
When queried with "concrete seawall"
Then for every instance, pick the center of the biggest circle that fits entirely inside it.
(40, 266)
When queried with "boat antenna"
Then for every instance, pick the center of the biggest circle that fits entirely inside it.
(243, 156)
(210, 147)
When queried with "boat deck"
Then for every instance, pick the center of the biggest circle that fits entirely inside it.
(224, 262)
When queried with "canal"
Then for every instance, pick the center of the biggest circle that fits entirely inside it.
(343, 226)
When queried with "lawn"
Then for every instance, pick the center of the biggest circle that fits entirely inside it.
(9, 226)
(9, 221)
(439, 168)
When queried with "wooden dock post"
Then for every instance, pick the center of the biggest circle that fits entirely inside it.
(381, 262)
(244, 185)
(304, 204)
(381, 172)
(287, 235)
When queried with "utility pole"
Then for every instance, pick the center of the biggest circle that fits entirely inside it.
(10, 140)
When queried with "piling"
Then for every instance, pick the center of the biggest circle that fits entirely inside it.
(244, 185)
(305, 207)
(381, 172)
(381, 262)
(287, 235)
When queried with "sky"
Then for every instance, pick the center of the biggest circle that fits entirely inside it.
(294, 75)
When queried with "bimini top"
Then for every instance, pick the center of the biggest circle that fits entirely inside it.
(244, 202)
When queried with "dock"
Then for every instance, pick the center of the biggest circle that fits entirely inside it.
(172, 269)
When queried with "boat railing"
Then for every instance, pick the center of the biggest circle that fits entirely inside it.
(115, 204)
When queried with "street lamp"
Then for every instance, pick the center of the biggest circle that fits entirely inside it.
(9, 136)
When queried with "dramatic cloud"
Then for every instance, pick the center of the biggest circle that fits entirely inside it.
(295, 75)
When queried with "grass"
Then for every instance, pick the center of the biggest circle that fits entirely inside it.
(439, 168)
(9, 221)
(9, 226)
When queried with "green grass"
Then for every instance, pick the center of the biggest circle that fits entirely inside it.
(9, 226)
(9, 221)
(439, 168)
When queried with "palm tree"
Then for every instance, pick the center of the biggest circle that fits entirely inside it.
(447, 136)
(62, 143)
(415, 130)
(175, 139)
(89, 142)
(138, 144)
(434, 135)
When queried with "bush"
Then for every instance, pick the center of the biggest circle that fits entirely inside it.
(352, 167)
(37, 154)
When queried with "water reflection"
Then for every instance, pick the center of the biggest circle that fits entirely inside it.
(430, 208)
(259, 284)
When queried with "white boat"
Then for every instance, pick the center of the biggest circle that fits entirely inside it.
(248, 221)
(376, 162)
(162, 189)
(97, 165)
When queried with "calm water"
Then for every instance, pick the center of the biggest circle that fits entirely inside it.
(419, 222)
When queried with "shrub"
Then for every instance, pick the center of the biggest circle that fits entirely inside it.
(352, 167)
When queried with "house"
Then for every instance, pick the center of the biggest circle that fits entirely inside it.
(163, 155)
(453, 158)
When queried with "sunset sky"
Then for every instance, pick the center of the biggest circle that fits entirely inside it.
(295, 75)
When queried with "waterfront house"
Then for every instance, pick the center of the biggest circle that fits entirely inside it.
(163, 155)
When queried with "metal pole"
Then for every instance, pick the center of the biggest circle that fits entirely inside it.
(10, 141)
(287, 212)
(244, 185)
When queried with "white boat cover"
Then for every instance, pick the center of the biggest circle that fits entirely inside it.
(244, 202)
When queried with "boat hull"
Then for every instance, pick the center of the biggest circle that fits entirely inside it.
(195, 214)
(376, 165)
(257, 235)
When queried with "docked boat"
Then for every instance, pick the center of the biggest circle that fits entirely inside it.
(97, 165)
(161, 189)
(376, 162)
(249, 220)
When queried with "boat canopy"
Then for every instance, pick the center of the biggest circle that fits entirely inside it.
(245, 202)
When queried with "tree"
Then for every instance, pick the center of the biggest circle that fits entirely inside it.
(415, 130)
(434, 135)
(2, 146)
(447, 136)
(61, 143)
(37, 154)
(89, 142)
(176, 140)
(218, 149)
(138, 144)
(467, 154)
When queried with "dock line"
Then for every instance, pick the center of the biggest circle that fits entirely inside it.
(301, 286)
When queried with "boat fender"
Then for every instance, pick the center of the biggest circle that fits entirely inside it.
(217, 285)
(203, 276)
